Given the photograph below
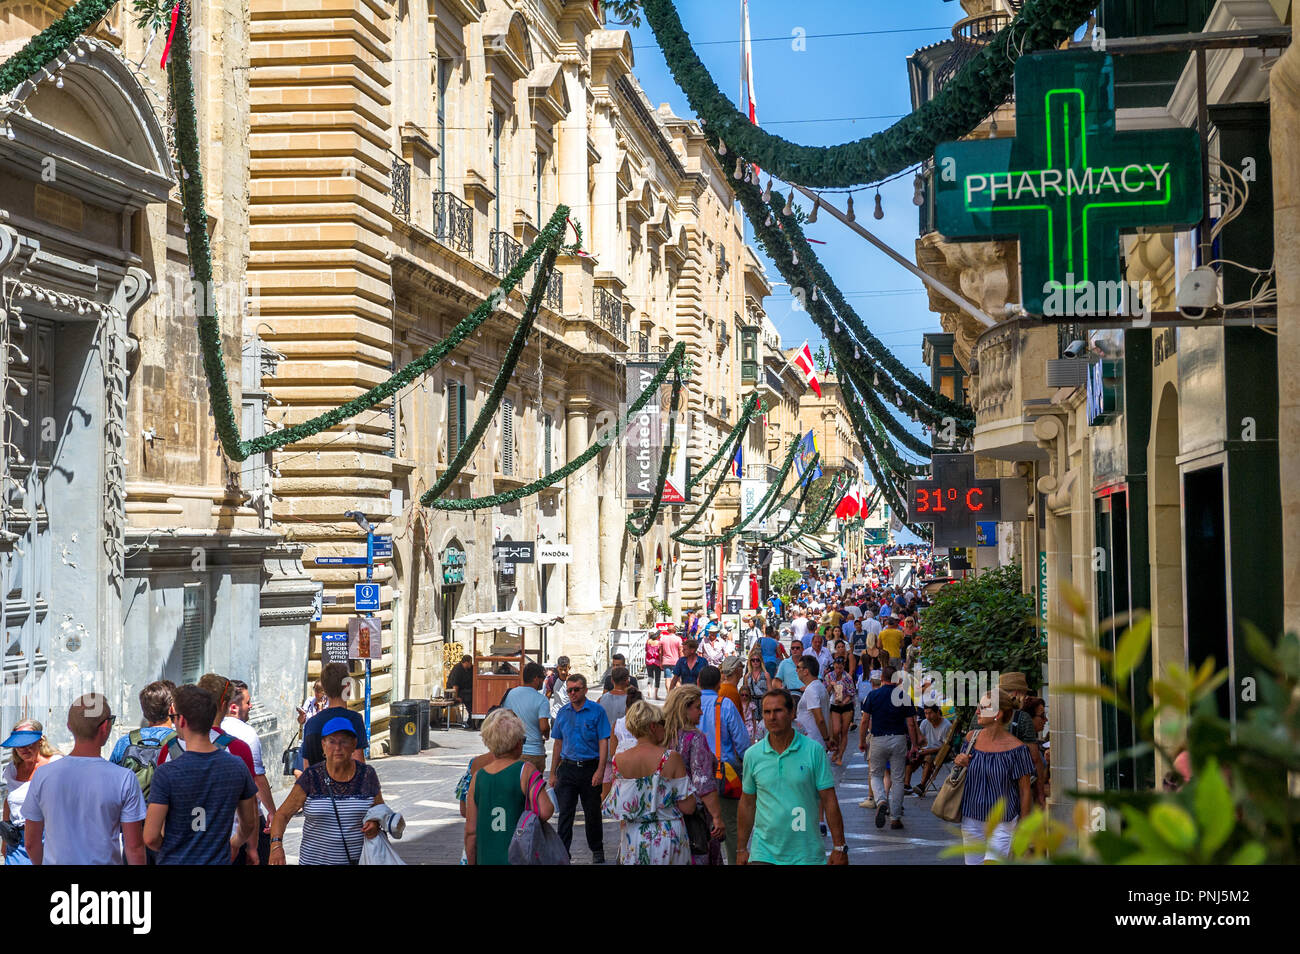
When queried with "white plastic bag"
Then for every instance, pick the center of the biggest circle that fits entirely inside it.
(377, 850)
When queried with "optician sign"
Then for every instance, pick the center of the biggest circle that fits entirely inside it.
(1067, 184)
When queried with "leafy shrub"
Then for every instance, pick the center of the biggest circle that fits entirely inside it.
(983, 624)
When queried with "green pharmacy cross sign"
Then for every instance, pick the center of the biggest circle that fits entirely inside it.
(1068, 183)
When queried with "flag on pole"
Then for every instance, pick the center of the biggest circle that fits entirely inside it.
(804, 455)
(738, 462)
(850, 505)
(803, 360)
(747, 71)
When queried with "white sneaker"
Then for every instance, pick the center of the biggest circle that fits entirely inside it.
(867, 803)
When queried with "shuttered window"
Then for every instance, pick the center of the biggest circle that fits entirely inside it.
(546, 446)
(455, 417)
(508, 438)
(194, 632)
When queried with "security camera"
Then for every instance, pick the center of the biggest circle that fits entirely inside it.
(1198, 292)
(1075, 348)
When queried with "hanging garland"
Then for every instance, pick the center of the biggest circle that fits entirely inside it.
(782, 238)
(976, 90)
(747, 414)
(665, 459)
(760, 506)
(823, 509)
(50, 43)
(737, 434)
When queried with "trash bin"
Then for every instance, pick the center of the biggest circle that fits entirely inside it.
(424, 723)
(404, 728)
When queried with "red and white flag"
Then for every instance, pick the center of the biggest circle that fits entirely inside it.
(803, 360)
(747, 72)
(851, 504)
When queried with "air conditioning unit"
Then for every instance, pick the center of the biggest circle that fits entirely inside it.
(1067, 372)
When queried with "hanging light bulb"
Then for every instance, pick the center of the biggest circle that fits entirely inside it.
(837, 326)
(185, 173)
(817, 204)
(848, 214)
(814, 293)
(768, 222)
(9, 131)
(918, 194)
(767, 192)
(857, 355)
(875, 380)
(789, 204)
(739, 172)
(722, 148)
(880, 209)
(794, 255)
(993, 126)
(59, 82)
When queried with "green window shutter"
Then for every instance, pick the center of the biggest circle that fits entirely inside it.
(462, 412)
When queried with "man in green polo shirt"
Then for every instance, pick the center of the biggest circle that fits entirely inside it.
(787, 783)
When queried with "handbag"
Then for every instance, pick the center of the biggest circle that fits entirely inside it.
(534, 841)
(329, 787)
(289, 757)
(947, 801)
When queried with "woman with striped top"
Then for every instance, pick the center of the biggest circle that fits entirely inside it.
(334, 797)
(998, 768)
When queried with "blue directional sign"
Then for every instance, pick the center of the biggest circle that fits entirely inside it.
(340, 561)
(367, 597)
(383, 546)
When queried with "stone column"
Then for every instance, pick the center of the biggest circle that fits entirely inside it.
(611, 530)
(581, 511)
(1284, 95)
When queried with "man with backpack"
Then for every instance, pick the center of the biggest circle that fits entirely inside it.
(199, 798)
(139, 749)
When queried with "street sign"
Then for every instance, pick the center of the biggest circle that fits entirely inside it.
(554, 553)
(340, 561)
(367, 597)
(334, 647)
(383, 546)
(952, 500)
(513, 551)
(1067, 183)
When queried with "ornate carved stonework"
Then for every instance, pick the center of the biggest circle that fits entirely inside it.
(986, 273)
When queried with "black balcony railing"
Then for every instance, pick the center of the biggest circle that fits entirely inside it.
(503, 252)
(401, 188)
(607, 311)
(453, 222)
(971, 34)
(555, 290)
(723, 411)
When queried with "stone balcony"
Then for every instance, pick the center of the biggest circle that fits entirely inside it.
(1010, 365)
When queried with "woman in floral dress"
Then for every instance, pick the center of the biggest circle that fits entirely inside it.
(840, 689)
(651, 793)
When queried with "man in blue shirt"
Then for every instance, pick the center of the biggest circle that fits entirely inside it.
(735, 740)
(788, 671)
(193, 800)
(581, 734)
(889, 719)
(534, 711)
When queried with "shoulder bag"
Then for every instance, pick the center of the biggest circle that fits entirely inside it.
(699, 824)
(947, 801)
(329, 787)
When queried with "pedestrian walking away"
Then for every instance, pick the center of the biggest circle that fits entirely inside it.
(651, 794)
(501, 790)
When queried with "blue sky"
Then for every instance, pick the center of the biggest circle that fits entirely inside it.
(835, 90)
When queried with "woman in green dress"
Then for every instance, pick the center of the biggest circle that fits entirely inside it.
(500, 792)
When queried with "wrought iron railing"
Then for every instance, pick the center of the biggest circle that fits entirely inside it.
(400, 189)
(723, 338)
(504, 252)
(555, 290)
(971, 34)
(607, 311)
(641, 342)
(722, 409)
(453, 222)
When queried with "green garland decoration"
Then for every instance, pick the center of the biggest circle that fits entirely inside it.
(46, 46)
(792, 530)
(760, 506)
(736, 435)
(780, 236)
(747, 414)
(896, 463)
(498, 389)
(979, 87)
(675, 361)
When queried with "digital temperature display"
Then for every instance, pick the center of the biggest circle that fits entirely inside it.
(952, 500)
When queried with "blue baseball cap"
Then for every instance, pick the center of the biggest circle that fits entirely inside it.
(338, 724)
(24, 733)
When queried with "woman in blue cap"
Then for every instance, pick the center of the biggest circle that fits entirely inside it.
(30, 750)
(334, 797)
